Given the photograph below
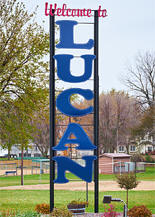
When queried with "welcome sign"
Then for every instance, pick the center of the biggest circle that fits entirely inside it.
(63, 100)
(64, 105)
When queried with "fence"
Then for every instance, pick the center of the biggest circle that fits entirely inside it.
(40, 166)
(125, 167)
(29, 167)
(122, 167)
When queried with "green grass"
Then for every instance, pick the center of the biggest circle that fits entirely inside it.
(6, 159)
(28, 180)
(149, 175)
(24, 200)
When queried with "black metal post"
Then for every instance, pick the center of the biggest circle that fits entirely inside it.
(96, 112)
(52, 108)
(87, 192)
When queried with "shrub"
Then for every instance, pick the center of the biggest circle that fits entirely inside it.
(138, 211)
(127, 181)
(149, 159)
(110, 212)
(77, 202)
(43, 208)
(137, 158)
(57, 212)
(153, 152)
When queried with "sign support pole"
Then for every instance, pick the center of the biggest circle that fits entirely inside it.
(52, 108)
(96, 112)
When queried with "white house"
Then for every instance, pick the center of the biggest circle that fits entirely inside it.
(32, 151)
(3, 152)
(143, 145)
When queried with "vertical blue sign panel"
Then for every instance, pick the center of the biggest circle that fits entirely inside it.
(63, 68)
(81, 139)
(67, 36)
(64, 105)
(66, 164)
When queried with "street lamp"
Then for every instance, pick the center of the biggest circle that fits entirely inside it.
(108, 199)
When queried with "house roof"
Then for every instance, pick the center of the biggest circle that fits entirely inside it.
(115, 155)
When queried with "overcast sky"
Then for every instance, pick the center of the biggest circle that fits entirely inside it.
(128, 29)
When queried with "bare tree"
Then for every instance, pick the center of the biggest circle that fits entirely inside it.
(141, 78)
(41, 135)
(118, 114)
(41, 129)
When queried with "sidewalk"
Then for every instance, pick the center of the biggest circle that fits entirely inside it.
(81, 186)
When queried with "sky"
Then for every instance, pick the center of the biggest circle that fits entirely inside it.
(128, 29)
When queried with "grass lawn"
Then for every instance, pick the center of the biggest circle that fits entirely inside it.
(28, 180)
(23, 200)
(149, 175)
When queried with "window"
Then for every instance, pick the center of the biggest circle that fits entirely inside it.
(37, 155)
(25, 155)
(132, 148)
(149, 149)
(150, 138)
(119, 168)
(121, 148)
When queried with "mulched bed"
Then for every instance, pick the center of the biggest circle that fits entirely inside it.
(99, 215)
(93, 215)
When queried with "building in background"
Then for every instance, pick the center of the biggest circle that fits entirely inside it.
(139, 145)
(110, 163)
(32, 151)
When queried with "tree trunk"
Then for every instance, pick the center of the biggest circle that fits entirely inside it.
(127, 197)
(22, 153)
(44, 154)
(8, 153)
(127, 149)
(135, 168)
